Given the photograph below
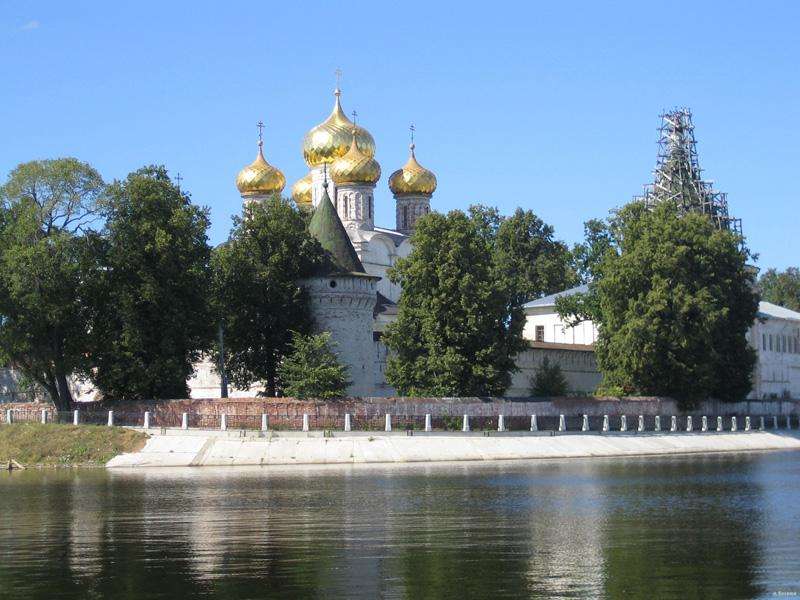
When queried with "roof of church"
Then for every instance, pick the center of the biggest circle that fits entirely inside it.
(396, 236)
(326, 226)
(767, 310)
(551, 299)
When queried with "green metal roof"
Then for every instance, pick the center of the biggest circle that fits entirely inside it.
(326, 226)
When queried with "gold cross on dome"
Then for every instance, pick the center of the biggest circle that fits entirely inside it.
(260, 126)
(412, 129)
(178, 179)
(338, 73)
(355, 114)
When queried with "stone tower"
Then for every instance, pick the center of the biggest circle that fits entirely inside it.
(342, 297)
(412, 187)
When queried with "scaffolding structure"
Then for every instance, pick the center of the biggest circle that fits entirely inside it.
(677, 176)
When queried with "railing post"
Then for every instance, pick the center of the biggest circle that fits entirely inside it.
(585, 423)
(44, 416)
(428, 426)
(223, 422)
(747, 423)
(733, 424)
(264, 422)
(640, 426)
(562, 423)
(9, 416)
(534, 423)
(76, 417)
(657, 426)
(348, 425)
(673, 423)
(704, 423)
(719, 424)
(788, 421)
(689, 425)
(623, 423)
(761, 423)
(387, 422)
(305, 421)
(501, 423)
(111, 418)
(465, 423)
(605, 423)
(185, 421)
(146, 419)
(774, 421)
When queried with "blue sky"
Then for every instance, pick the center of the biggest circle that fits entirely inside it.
(548, 106)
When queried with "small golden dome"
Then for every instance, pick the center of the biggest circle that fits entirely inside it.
(301, 193)
(331, 139)
(413, 179)
(259, 177)
(355, 166)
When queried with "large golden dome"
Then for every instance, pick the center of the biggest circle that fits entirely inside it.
(413, 179)
(355, 166)
(301, 193)
(260, 178)
(331, 139)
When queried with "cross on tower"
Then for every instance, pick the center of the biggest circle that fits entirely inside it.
(355, 114)
(178, 178)
(260, 126)
(412, 129)
(338, 73)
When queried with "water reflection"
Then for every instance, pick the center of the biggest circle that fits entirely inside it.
(717, 527)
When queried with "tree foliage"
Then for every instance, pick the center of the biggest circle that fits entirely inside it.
(48, 210)
(256, 289)
(459, 324)
(312, 369)
(548, 380)
(673, 300)
(150, 315)
(781, 287)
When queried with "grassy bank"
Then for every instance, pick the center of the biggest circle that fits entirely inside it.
(34, 444)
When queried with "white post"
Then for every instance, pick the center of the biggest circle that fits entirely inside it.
(657, 426)
(76, 417)
(788, 421)
(761, 424)
(719, 424)
(305, 422)
(9, 417)
(465, 423)
(44, 416)
(585, 423)
(673, 423)
(428, 426)
(501, 423)
(264, 422)
(623, 423)
(640, 426)
(747, 423)
(534, 423)
(223, 422)
(774, 422)
(704, 423)
(733, 424)
(111, 418)
(185, 421)
(605, 423)
(348, 426)
(689, 425)
(388, 425)
(562, 423)
(146, 424)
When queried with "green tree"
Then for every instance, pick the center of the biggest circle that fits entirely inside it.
(781, 288)
(588, 255)
(48, 215)
(312, 369)
(673, 301)
(150, 312)
(458, 327)
(548, 380)
(256, 289)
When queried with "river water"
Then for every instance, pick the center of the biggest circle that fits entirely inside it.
(722, 526)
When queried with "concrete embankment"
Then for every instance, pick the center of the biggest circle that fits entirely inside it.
(194, 448)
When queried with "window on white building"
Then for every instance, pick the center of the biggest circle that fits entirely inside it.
(540, 333)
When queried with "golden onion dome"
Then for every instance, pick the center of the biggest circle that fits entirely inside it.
(355, 166)
(331, 139)
(301, 192)
(413, 179)
(259, 177)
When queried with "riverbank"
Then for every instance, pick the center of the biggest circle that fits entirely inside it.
(212, 448)
(52, 445)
